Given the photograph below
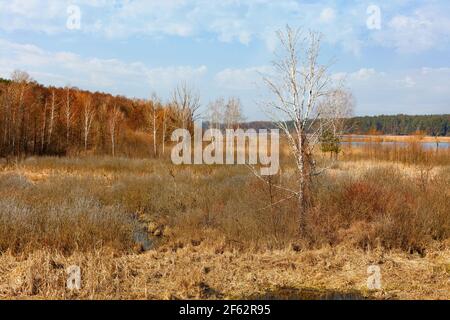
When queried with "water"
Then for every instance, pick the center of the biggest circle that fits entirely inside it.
(425, 145)
(287, 293)
(141, 237)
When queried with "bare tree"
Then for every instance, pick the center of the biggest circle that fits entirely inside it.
(114, 119)
(88, 119)
(335, 110)
(187, 104)
(299, 84)
(233, 113)
(216, 111)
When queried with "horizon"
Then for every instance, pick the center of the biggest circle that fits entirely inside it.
(394, 56)
(243, 122)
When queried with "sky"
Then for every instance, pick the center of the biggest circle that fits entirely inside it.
(394, 55)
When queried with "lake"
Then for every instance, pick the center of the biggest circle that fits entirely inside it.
(425, 145)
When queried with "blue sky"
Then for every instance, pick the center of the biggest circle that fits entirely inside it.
(136, 47)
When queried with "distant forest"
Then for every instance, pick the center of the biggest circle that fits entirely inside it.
(432, 125)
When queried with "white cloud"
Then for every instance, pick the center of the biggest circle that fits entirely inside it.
(327, 15)
(241, 79)
(363, 74)
(171, 76)
(424, 29)
(415, 91)
(408, 82)
(112, 75)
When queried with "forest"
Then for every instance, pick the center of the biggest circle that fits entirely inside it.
(401, 124)
(39, 120)
(432, 125)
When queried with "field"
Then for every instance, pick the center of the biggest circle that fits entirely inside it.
(146, 229)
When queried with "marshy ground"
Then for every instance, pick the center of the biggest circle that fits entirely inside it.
(219, 232)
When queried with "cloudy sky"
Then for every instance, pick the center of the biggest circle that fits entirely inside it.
(136, 47)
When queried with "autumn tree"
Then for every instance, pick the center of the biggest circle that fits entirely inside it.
(154, 107)
(21, 82)
(51, 120)
(40, 120)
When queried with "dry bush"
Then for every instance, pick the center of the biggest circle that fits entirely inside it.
(384, 208)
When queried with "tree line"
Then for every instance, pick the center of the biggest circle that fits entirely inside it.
(432, 125)
(39, 120)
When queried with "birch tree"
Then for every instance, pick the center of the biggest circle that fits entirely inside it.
(298, 85)
(114, 119)
(335, 110)
(88, 119)
(233, 113)
(215, 113)
(68, 115)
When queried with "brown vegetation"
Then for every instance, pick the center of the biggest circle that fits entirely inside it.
(63, 204)
(39, 120)
(211, 225)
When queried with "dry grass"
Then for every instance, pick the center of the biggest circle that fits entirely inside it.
(81, 204)
(409, 151)
(206, 272)
(392, 138)
(221, 232)
(382, 207)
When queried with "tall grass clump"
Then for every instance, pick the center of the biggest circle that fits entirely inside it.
(80, 226)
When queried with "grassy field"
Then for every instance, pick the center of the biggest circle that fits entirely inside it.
(219, 232)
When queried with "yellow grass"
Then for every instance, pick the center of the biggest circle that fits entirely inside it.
(217, 237)
(393, 138)
(205, 272)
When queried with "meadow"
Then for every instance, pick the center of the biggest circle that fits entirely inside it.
(147, 229)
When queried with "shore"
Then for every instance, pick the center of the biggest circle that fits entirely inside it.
(392, 138)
